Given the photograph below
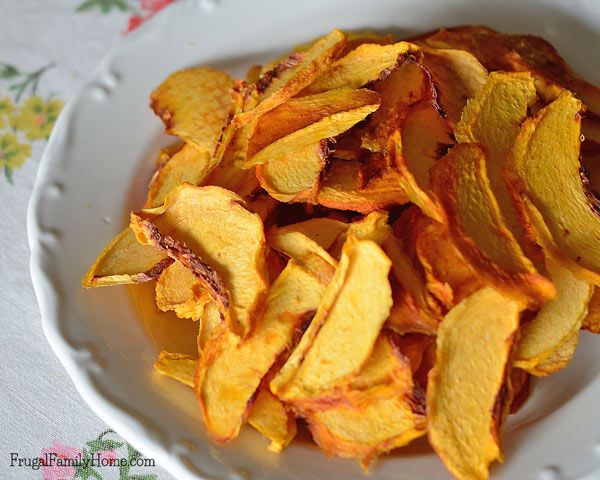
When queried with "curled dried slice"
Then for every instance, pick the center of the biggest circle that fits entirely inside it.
(125, 260)
(342, 335)
(269, 416)
(544, 165)
(322, 230)
(298, 113)
(187, 165)
(366, 63)
(231, 369)
(559, 359)
(179, 290)
(473, 349)
(477, 227)
(327, 127)
(194, 105)
(556, 321)
(457, 75)
(498, 51)
(366, 432)
(293, 74)
(341, 190)
(591, 322)
(296, 175)
(209, 230)
(179, 366)
(492, 119)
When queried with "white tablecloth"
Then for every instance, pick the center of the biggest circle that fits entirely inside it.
(47, 48)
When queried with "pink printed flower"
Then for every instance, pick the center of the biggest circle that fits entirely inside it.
(151, 7)
(106, 457)
(50, 470)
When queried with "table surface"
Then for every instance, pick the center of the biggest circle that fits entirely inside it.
(47, 49)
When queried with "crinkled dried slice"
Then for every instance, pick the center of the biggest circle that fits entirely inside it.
(194, 104)
(342, 335)
(179, 290)
(233, 148)
(544, 165)
(559, 359)
(457, 75)
(409, 83)
(306, 251)
(209, 230)
(473, 349)
(497, 51)
(167, 152)
(231, 369)
(179, 366)
(448, 275)
(423, 138)
(296, 175)
(367, 432)
(298, 113)
(366, 63)
(187, 165)
(492, 119)
(477, 227)
(124, 260)
(325, 128)
(557, 319)
(591, 322)
(322, 230)
(211, 319)
(373, 226)
(269, 416)
(341, 190)
(293, 74)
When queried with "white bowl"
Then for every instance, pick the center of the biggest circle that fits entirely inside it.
(95, 170)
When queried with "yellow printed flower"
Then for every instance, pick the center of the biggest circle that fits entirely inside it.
(12, 153)
(7, 108)
(36, 117)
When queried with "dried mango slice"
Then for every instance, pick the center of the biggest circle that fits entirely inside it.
(544, 165)
(187, 165)
(194, 105)
(124, 260)
(179, 290)
(492, 119)
(328, 127)
(269, 416)
(557, 320)
(366, 432)
(366, 63)
(591, 322)
(231, 369)
(457, 75)
(209, 230)
(559, 359)
(477, 226)
(473, 349)
(345, 328)
(341, 190)
(293, 74)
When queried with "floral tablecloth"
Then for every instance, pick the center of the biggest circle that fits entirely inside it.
(47, 48)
